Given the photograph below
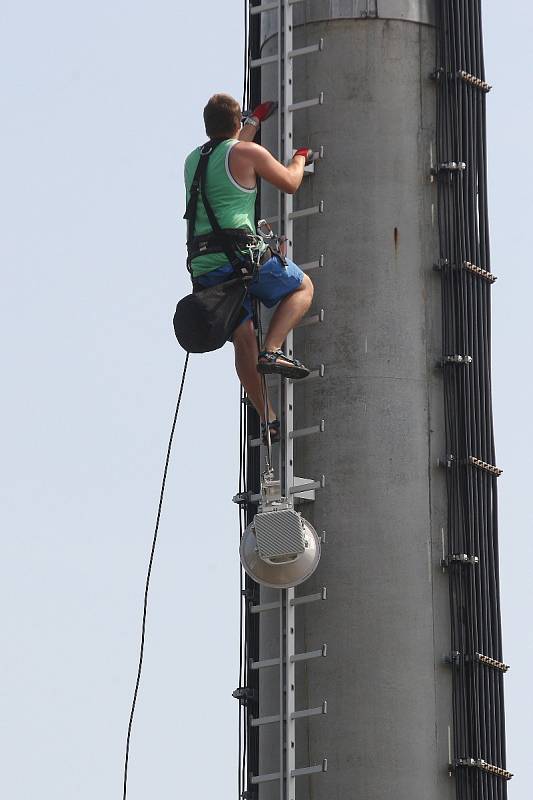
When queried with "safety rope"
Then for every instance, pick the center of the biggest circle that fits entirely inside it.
(148, 576)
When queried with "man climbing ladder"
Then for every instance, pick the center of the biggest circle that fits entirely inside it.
(231, 189)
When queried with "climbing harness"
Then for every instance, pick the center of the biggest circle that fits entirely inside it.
(205, 319)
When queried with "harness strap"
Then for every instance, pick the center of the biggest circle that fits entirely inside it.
(205, 244)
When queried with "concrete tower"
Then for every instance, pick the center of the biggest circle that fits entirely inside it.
(386, 619)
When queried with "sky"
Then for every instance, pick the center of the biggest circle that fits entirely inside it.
(101, 101)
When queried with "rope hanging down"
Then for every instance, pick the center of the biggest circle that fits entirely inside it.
(148, 576)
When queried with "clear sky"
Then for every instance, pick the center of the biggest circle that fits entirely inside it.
(100, 103)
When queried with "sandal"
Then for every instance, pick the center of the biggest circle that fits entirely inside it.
(291, 368)
(275, 432)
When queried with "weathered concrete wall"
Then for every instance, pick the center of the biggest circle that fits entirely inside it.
(386, 620)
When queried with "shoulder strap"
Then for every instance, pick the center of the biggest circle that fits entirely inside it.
(197, 182)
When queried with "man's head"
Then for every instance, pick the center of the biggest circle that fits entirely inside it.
(222, 117)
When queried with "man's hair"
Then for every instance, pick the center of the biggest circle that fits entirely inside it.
(222, 116)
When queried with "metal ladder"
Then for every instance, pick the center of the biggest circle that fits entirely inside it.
(291, 487)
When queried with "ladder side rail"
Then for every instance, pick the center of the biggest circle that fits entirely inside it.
(288, 413)
(288, 225)
(281, 690)
(290, 696)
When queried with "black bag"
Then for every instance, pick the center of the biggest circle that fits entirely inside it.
(205, 320)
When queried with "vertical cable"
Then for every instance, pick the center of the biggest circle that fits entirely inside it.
(478, 713)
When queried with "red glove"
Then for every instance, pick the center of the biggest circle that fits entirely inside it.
(307, 153)
(265, 110)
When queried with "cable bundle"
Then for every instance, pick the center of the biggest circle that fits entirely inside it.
(479, 725)
(249, 472)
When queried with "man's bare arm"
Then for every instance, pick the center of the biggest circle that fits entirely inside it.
(287, 179)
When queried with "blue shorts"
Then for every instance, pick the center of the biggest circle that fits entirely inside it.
(272, 282)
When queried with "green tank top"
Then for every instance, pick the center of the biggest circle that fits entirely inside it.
(234, 205)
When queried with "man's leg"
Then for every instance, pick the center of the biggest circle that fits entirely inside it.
(246, 354)
(288, 314)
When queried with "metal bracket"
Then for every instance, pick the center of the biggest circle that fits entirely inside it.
(453, 658)
(455, 359)
(473, 80)
(459, 558)
(447, 461)
(447, 169)
(449, 166)
(491, 662)
(437, 73)
(479, 763)
(243, 499)
(245, 695)
(477, 462)
(482, 273)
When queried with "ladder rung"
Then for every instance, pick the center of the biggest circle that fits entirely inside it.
(312, 319)
(268, 662)
(271, 776)
(303, 51)
(265, 720)
(306, 487)
(295, 773)
(309, 265)
(308, 431)
(308, 212)
(315, 373)
(258, 609)
(310, 598)
(315, 101)
(308, 712)
(261, 62)
(322, 653)
(264, 7)
(275, 662)
(296, 434)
